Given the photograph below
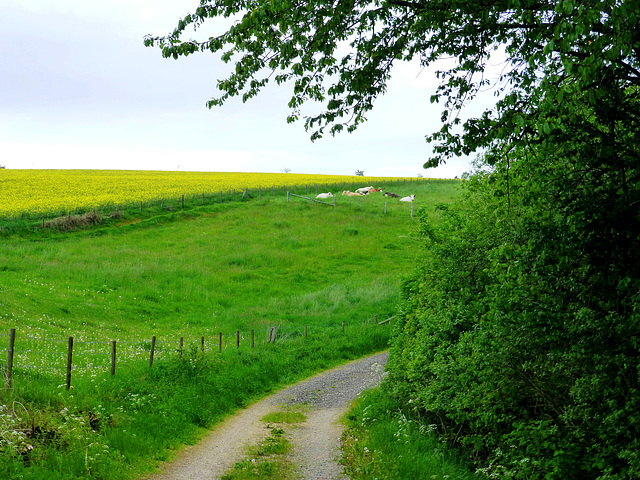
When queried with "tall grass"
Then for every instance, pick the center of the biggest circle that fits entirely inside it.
(208, 269)
(384, 442)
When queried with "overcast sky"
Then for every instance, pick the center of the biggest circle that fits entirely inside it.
(78, 89)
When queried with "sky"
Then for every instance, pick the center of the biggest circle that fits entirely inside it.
(78, 89)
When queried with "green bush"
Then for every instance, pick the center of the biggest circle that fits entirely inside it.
(520, 332)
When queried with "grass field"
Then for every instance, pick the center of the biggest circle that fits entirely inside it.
(192, 273)
(37, 193)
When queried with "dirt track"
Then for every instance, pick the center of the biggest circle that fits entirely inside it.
(315, 442)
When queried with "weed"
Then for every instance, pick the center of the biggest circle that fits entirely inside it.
(287, 415)
(414, 452)
(266, 460)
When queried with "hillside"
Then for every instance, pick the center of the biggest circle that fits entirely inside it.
(233, 268)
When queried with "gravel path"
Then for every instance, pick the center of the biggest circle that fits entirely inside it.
(316, 441)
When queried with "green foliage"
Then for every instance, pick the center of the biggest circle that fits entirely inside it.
(552, 52)
(520, 334)
(383, 441)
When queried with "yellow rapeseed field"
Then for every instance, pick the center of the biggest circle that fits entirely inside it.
(54, 192)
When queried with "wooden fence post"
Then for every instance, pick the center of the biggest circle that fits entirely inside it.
(343, 325)
(220, 335)
(69, 362)
(153, 348)
(202, 344)
(252, 340)
(305, 331)
(113, 358)
(237, 338)
(180, 344)
(12, 340)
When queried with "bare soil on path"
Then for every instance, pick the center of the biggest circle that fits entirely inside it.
(316, 441)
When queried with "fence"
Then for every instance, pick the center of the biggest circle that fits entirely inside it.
(189, 200)
(108, 351)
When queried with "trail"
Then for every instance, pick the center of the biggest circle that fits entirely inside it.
(316, 441)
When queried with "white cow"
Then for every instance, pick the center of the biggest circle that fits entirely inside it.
(364, 190)
(408, 199)
(325, 195)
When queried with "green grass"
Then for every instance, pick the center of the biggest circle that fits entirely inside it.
(268, 459)
(286, 415)
(384, 442)
(234, 266)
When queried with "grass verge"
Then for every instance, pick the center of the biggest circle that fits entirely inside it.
(384, 442)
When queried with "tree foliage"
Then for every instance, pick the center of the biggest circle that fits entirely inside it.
(341, 53)
(520, 331)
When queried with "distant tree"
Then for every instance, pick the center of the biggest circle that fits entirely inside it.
(360, 173)
(286, 170)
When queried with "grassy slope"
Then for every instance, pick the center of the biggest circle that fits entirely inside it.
(234, 266)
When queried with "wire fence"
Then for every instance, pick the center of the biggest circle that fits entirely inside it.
(56, 360)
(74, 217)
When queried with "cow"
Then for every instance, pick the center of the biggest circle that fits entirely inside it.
(324, 195)
(392, 195)
(408, 199)
(373, 190)
(364, 190)
(352, 194)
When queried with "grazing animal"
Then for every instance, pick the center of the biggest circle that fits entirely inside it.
(364, 190)
(408, 199)
(352, 194)
(375, 190)
(324, 195)
(392, 195)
